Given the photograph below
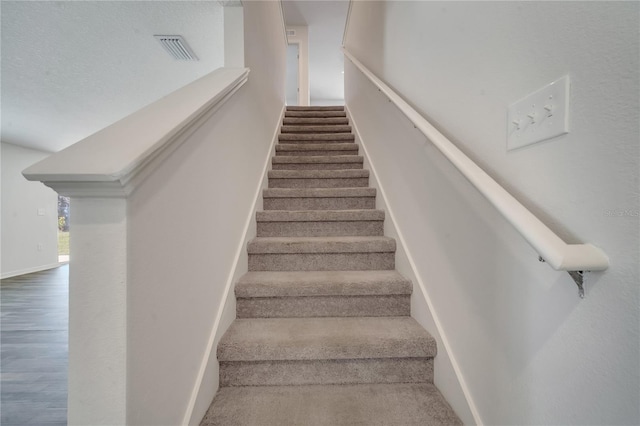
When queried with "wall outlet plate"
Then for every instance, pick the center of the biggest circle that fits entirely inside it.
(540, 116)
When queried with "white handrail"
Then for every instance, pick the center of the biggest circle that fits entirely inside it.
(551, 248)
(284, 24)
(346, 23)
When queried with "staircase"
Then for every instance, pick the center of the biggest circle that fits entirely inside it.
(323, 334)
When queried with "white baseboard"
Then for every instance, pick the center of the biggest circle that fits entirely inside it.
(418, 278)
(31, 270)
(215, 330)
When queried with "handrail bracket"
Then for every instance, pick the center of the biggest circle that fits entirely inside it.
(578, 277)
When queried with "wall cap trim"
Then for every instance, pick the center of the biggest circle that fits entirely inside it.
(113, 161)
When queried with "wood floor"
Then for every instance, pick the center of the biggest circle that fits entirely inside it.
(34, 342)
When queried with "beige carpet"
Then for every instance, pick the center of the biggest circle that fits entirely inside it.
(323, 334)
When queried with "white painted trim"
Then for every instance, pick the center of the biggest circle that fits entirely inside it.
(558, 254)
(420, 281)
(229, 283)
(31, 270)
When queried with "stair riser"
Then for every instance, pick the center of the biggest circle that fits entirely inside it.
(321, 261)
(279, 373)
(316, 121)
(319, 183)
(304, 142)
(318, 152)
(318, 174)
(321, 229)
(320, 145)
(324, 306)
(317, 203)
(317, 166)
(315, 108)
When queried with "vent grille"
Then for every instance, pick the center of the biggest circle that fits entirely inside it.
(291, 33)
(177, 47)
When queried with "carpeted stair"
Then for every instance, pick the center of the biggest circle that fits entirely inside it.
(323, 334)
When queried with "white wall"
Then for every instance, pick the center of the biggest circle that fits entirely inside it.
(22, 228)
(233, 36)
(186, 224)
(529, 350)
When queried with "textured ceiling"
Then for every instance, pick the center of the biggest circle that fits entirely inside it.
(325, 20)
(71, 68)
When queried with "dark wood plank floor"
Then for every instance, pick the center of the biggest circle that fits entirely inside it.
(34, 348)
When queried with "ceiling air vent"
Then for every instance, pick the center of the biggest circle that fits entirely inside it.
(177, 47)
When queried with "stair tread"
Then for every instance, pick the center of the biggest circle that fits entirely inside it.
(326, 128)
(318, 174)
(255, 339)
(319, 215)
(315, 120)
(315, 136)
(407, 404)
(341, 244)
(322, 283)
(319, 159)
(317, 147)
(318, 192)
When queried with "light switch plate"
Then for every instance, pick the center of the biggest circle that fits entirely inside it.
(540, 116)
(41, 211)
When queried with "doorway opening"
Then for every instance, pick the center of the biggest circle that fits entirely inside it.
(293, 79)
(64, 208)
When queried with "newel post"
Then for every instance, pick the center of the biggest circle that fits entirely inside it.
(98, 287)
(98, 311)
(98, 284)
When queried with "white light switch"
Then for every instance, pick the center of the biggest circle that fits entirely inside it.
(542, 115)
(41, 211)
